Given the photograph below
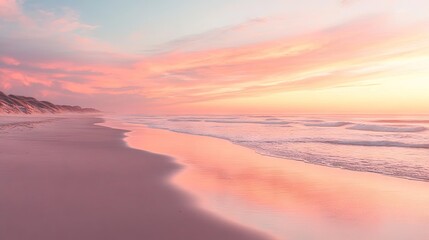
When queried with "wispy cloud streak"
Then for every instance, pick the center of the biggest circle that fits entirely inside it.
(50, 54)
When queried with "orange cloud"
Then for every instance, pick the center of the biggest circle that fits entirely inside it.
(367, 51)
(324, 59)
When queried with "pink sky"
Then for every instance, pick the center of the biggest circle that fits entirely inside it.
(350, 56)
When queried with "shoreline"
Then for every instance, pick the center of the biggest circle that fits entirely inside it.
(72, 179)
(361, 203)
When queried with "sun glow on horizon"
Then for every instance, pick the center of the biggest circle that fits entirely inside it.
(354, 57)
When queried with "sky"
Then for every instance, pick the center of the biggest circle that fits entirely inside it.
(219, 57)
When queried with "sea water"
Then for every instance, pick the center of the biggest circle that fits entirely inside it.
(391, 145)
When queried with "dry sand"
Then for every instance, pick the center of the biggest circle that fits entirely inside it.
(67, 179)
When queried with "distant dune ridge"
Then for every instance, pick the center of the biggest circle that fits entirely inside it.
(12, 104)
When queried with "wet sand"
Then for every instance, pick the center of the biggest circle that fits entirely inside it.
(290, 199)
(67, 179)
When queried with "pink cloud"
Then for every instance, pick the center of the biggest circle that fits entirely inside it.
(9, 61)
(89, 69)
(9, 9)
(323, 59)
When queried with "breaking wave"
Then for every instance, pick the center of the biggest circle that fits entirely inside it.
(376, 143)
(327, 124)
(387, 128)
(397, 148)
(248, 121)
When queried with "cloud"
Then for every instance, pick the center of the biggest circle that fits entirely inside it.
(325, 59)
(9, 61)
(345, 2)
(41, 49)
(220, 37)
(66, 20)
(9, 9)
(49, 54)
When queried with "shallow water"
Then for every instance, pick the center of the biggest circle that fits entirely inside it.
(390, 145)
(290, 199)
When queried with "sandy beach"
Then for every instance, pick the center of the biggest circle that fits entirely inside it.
(289, 199)
(214, 120)
(71, 177)
(66, 178)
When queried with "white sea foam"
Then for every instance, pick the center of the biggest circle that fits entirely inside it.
(388, 128)
(376, 143)
(350, 143)
(327, 124)
(185, 120)
(403, 121)
(247, 121)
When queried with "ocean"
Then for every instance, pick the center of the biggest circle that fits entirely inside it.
(391, 145)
